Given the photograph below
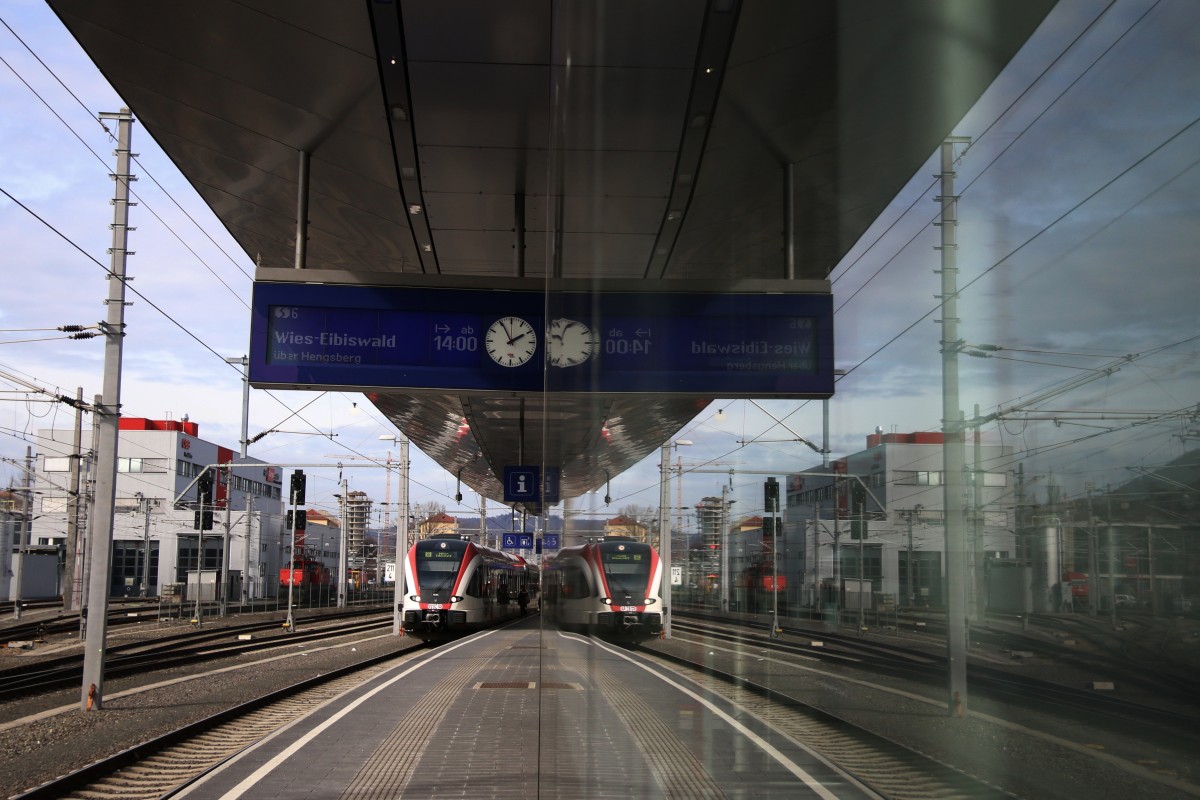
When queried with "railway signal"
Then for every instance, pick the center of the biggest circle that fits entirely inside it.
(771, 496)
(298, 482)
(203, 519)
(858, 510)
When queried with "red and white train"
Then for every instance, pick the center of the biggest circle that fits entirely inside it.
(453, 586)
(610, 588)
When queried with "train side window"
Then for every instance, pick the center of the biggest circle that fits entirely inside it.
(475, 587)
(574, 583)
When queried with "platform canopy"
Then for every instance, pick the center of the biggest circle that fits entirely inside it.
(717, 146)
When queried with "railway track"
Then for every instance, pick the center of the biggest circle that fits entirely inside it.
(883, 764)
(787, 677)
(160, 766)
(928, 670)
(180, 650)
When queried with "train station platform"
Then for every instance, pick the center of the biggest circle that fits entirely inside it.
(525, 712)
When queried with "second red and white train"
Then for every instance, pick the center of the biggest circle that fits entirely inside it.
(609, 588)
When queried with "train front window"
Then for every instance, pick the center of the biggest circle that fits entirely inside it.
(626, 573)
(436, 571)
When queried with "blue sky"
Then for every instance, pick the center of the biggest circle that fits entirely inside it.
(1078, 244)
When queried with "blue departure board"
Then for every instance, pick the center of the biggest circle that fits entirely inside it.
(609, 342)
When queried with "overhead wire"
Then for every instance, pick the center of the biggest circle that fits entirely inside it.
(1162, 144)
(145, 170)
(62, 235)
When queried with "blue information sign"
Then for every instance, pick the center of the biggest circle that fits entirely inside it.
(521, 484)
(610, 342)
(517, 541)
(550, 541)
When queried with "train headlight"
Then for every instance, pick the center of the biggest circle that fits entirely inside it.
(454, 598)
(606, 600)
(416, 598)
(650, 601)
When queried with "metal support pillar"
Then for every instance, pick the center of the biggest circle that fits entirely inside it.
(302, 211)
(953, 459)
(246, 596)
(343, 546)
(724, 540)
(789, 221)
(106, 421)
(244, 361)
(401, 539)
(664, 534)
(225, 537)
(71, 566)
(145, 547)
(23, 532)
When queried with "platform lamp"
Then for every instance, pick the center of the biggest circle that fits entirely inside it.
(664, 533)
(402, 528)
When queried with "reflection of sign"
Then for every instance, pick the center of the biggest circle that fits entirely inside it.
(550, 484)
(521, 484)
(676, 576)
(550, 541)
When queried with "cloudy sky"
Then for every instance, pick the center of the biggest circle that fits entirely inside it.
(1078, 242)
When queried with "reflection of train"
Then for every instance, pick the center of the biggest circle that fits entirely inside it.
(453, 586)
(759, 582)
(1078, 583)
(610, 588)
(304, 572)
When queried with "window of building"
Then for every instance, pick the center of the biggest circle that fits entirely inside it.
(128, 572)
(54, 505)
(906, 477)
(926, 572)
(56, 464)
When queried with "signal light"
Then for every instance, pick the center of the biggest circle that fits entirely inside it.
(771, 495)
(858, 511)
(202, 520)
(298, 482)
(204, 488)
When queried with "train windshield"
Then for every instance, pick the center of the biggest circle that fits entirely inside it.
(437, 567)
(627, 571)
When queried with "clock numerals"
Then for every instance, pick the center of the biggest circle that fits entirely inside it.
(569, 343)
(510, 341)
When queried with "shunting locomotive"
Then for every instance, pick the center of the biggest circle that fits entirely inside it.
(610, 588)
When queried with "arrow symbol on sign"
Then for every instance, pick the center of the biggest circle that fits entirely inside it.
(440, 328)
(643, 332)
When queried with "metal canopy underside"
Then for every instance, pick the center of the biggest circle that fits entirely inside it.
(489, 138)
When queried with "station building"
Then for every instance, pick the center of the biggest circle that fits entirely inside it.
(872, 524)
(155, 512)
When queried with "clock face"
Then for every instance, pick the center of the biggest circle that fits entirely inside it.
(570, 343)
(510, 341)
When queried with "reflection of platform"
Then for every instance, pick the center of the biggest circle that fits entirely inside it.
(522, 713)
